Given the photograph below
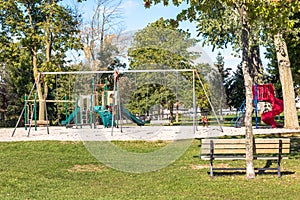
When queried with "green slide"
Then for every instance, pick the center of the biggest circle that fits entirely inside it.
(70, 118)
(105, 115)
(129, 115)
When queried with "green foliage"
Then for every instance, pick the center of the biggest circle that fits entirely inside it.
(16, 80)
(219, 22)
(34, 36)
(161, 45)
(235, 90)
(293, 43)
(145, 97)
(106, 56)
(41, 27)
(113, 64)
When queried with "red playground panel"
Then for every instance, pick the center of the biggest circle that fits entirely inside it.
(264, 92)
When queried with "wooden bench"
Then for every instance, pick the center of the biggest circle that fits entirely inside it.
(235, 149)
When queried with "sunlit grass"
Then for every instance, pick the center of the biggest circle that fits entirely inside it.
(66, 170)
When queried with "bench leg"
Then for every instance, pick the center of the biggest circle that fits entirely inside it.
(279, 158)
(211, 158)
(211, 173)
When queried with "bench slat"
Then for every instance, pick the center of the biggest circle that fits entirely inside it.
(272, 140)
(237, 146)
(243, 146)
(243, 151)
(242, 168)
(242, 141)
(228, 141)
(204, 157)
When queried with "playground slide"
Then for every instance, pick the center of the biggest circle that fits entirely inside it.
(105, 115)
(268, 117)
(129, 115)
(70, 118)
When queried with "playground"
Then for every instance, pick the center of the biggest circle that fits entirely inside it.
(109, 101)
(113, 105)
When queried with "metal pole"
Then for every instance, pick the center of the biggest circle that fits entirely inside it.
(35, 114)
(120, 111)
(20, 116)
(208, 99)
(113, 106)
(66, 107)
(91, 111)
(194, 105)
(31, 119)
(25, 112)
(76, 115)
(46, 118)
(123, 71)
(91, 102)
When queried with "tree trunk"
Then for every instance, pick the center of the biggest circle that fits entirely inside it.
(286, 79)
(38, 84)
(35, 71)
(41, 102)
(249, 98)
(256, 62)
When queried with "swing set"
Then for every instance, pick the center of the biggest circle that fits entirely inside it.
(85, 97)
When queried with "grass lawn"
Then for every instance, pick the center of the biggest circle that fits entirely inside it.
(66, 170)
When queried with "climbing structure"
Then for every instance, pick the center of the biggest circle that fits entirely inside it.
(265, 93)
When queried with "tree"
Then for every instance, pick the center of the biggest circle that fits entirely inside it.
(100, 37)
(16, 80)
(206, 73)
(241, 8)
(293, 44)
(47, 31)
(248, 14)
(164, 44)
(248, 82)
(161, 45)
(234, 87)
(220, 76)
(280, 25)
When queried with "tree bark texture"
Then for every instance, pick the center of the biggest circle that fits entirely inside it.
(249, 97)
(286, 79)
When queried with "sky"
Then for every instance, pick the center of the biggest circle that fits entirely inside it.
(136, 17)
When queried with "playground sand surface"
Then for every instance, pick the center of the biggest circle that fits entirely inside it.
(148, 133)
